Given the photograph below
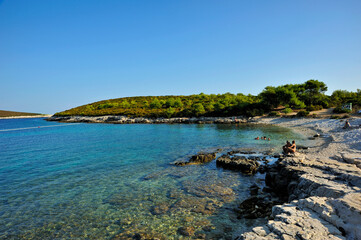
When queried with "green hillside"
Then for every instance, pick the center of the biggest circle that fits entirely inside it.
(4, 113)
(308, 96)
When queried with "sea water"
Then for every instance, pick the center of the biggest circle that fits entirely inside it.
(111, 181)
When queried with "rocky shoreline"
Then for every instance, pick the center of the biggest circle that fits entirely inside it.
(314, 194)
(129, 120)
(320, 187)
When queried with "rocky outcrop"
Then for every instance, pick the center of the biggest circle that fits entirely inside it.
(130, 120)
(324, 198)
(257, 206)
(198, 159)
(239, 163)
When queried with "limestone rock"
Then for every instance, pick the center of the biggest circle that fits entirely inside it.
(247, 166)
(198, 159)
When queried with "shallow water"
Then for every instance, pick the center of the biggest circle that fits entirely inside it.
(104, 181)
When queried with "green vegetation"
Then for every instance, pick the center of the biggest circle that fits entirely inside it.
(287, 110)
(4, 113)
(308, 96)
(274, 114)
(303, 113)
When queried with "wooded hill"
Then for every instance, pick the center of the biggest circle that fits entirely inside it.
(308, 96)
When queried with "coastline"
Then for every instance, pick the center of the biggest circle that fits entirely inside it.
(34, 116)
(117, 119)
(323, 184)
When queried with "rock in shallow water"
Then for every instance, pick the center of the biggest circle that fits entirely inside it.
(186, 231)
(211, 189)
(257, 207)
(247, 166)
(195, 204)
(159, 209)
(198, 159)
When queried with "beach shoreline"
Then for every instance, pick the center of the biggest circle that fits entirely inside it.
(323, 184)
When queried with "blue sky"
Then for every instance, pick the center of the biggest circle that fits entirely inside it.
(55, 55)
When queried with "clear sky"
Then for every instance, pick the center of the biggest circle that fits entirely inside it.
(55, 55)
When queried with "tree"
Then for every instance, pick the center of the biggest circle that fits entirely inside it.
(218, 106)
(209, 107)
(169, 112)
(198, 109)
(155, 103)
(170, 102)
(269, 97)
(314, 90)
(178, 103)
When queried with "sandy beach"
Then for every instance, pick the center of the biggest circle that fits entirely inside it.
(325, 197)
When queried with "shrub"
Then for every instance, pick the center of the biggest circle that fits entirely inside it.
(155, 104)
(198, 109)
(105, 105)
(303, 113)
(169, 112)
(287, 110)
(339, 109)
(178, 103)
(335, 117)
(274, 114)
(314, 108)
(124, 104)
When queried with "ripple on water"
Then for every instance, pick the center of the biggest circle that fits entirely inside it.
(93, 181)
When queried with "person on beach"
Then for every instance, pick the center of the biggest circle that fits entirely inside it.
(347, 125)
(292, 148)
(285, 147)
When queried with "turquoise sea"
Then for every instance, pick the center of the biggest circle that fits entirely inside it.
(109, 181)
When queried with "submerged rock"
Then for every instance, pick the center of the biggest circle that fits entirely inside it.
(211, 189)
(198, 159)
(195, 204)
(160, 209)
(186, 231)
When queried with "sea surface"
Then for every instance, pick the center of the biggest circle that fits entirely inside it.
(110, 181)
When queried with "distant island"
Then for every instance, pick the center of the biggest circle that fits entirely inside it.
(12, 114)
(273, 101)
